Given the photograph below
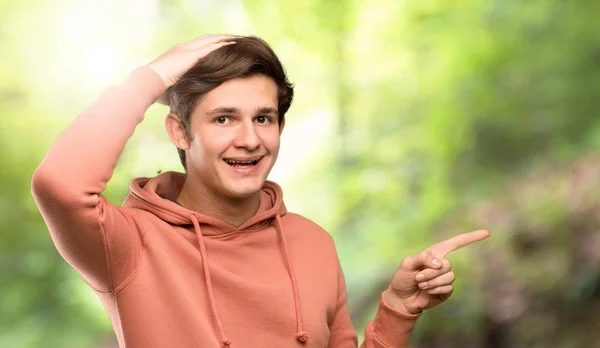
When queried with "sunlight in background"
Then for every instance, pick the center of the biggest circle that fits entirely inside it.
(302, 140)
(95, 43)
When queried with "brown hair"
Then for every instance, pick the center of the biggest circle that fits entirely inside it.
(249, 56)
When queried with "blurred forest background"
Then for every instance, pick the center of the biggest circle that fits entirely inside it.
(414, 121)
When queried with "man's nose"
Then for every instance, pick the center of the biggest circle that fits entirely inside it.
(247, 137)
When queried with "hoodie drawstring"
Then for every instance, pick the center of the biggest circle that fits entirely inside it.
(301, 335)
(225, 342)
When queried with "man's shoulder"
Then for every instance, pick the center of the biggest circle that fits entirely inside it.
(295, 218)
(306, 226)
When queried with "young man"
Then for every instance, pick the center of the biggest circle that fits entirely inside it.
(211, 257)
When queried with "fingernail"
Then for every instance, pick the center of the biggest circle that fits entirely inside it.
(420, 277)
(423, 285)
(436, 262)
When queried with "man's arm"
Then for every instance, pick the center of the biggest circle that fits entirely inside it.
(93, 236)
(68, 183)
(389, 328)
(422, 281)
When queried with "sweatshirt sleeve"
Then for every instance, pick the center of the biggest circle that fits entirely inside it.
(96, 238)
(389, 329)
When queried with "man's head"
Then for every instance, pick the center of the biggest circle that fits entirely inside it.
(229, 108)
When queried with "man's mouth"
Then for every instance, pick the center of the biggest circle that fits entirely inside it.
(243, 163)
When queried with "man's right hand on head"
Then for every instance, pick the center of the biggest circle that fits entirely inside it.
(171, 65)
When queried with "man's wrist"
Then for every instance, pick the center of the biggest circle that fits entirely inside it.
(395, 302)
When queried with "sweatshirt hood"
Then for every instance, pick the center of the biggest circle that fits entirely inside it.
(158, 195)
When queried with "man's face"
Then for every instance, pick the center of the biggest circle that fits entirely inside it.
(235, 136)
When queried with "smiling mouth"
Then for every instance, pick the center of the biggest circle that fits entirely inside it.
(239, 164)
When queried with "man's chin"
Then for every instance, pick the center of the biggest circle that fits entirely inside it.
(244, 191)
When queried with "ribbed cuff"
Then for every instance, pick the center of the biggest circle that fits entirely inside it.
(392, 327)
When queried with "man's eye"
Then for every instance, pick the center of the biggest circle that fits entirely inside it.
(263, 119)
(221, 119)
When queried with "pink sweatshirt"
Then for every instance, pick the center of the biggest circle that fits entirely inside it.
(171, 277)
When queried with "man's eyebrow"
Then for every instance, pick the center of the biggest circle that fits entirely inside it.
(224, 110)
(230, 110)
(267, 110)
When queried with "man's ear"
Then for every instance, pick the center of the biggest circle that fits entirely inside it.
(176, 131)
(281, 126)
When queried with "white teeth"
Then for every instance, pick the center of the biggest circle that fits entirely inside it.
(239, 162)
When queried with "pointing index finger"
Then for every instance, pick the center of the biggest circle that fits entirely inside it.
(441, 249)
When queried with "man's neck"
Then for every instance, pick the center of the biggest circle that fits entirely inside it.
(234, 211)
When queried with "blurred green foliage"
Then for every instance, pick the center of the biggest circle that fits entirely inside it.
(441, 117)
